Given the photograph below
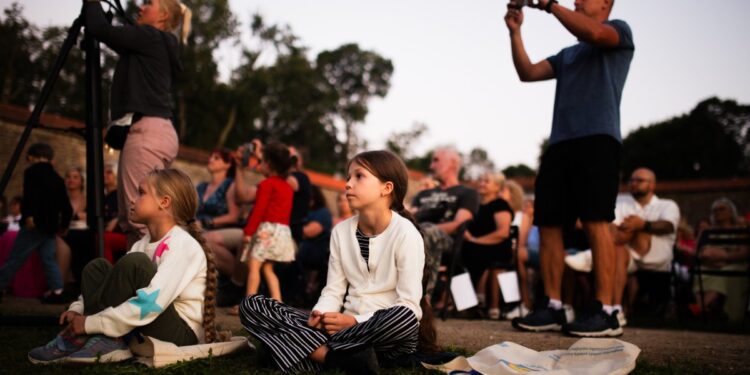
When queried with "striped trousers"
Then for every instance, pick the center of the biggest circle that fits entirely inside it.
(391, 332)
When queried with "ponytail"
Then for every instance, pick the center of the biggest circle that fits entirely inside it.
(187, 16)
(427, 337)
(209, 304)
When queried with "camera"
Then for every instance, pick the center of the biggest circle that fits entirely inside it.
(518, 4)
(248, 150)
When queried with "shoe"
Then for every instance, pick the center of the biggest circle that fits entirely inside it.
(621, 318)
(100, 349)
(56, 350)
(355, 362)
(541, 319)
(582, 261)
(596, 324)
(519, 312)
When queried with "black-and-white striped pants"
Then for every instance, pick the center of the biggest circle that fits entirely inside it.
(392, 332)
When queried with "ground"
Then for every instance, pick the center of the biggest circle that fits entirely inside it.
(663, 351)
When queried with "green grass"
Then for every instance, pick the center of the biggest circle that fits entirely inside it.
(19, 340)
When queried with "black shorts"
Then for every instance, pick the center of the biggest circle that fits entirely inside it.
(578, 179)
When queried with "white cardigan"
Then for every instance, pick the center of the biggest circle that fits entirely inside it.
(395, 277)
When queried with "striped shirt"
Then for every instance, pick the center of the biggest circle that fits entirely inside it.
(364, 246)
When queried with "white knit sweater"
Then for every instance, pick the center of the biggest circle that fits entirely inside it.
(396, 262)
(180, 280)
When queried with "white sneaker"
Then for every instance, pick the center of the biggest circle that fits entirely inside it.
(581, 261)
(570, 314)
(621, 318)
(518, 312)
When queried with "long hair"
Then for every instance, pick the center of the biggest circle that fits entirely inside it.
(179, 20)
(226, 155)
(386, 166)
(178, 186)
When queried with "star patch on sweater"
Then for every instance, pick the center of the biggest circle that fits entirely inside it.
(147, 302)
(161, 248)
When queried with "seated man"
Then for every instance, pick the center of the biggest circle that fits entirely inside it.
(644, 231)
(441, 211)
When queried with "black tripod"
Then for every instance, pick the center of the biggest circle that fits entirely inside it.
(93, 131)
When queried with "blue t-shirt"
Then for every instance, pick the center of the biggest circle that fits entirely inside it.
(589, 87)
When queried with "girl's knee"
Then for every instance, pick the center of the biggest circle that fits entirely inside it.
(97, 265)
(136, 260)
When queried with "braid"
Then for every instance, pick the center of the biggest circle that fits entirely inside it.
(427, 337)
(209, 304)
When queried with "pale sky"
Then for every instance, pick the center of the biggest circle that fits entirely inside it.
(453, 68)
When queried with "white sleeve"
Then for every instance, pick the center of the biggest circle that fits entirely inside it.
(410, 265)
(671, 213)
(179, 266)
(332, 297)
(77, 305)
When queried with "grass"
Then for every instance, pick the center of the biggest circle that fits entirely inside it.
(19, 340)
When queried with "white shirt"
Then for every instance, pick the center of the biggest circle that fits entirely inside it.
(395, 270)
(13, 223)
(180, 280)
(659, 256)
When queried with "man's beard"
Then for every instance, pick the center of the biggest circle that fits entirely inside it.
(638, 194)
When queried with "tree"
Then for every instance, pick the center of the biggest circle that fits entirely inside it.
(519, 170)
(355, 76)
(401, 143)
(709, 142)
(477, 163)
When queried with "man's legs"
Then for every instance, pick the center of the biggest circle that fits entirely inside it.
(551, 259)
(603, 249)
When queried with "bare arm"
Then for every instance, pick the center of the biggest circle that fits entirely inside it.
(312, 229)
(584, 27)
(463, 215)
(502, 223)
(527, 71)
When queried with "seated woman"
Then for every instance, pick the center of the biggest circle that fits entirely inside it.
(721, 293)
(74, 248)
(487, 247)
(375, 274)
(316, 234)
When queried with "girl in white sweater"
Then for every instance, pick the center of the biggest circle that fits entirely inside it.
(374, 273)
(164, 287)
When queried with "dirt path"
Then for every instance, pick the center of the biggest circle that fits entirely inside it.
(721, 352)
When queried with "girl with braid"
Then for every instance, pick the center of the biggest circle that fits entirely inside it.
(372, 307)
(164, 287)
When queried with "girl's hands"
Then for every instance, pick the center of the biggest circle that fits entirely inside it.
(334, 322)
(67, 317)
(315, 320)
(78, 325)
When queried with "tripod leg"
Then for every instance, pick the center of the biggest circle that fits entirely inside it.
(33, 121)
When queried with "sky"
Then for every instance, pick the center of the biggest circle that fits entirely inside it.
(453, 69)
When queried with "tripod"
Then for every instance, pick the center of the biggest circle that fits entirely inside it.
(93, 131)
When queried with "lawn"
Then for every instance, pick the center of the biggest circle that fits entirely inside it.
(20, 339)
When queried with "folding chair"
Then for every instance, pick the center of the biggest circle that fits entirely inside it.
(719, 237)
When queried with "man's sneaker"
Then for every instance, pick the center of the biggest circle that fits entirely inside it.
(621, 318)
(56, 350)
(518, 312)
(100, 348)
(581, 261)
(541, 319)
(596, 324)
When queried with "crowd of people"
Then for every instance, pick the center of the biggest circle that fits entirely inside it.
(355, 291)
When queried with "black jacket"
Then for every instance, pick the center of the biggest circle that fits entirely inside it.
(142, 82)
(45, 199)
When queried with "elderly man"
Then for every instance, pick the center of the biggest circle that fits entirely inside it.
(443, 210)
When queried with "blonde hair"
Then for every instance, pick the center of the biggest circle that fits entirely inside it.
(178, 186)
(498, 178)
(179, 16)
(516, 195)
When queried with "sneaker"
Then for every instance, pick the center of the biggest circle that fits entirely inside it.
(541, 319)
(358, 361)
(519, 312)
(596, 324)
(56, 350)
(621, 318)
(100, 348)
(582, 261)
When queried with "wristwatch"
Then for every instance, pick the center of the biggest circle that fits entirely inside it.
(548, 7)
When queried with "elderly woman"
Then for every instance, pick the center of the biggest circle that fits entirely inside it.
(717, 289)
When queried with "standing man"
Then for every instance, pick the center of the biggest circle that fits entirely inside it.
(578, 175)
